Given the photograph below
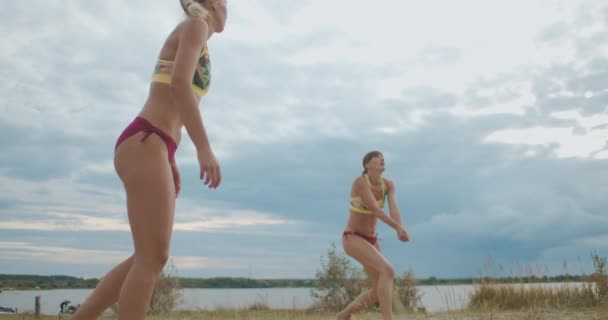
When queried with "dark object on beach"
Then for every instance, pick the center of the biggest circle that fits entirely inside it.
(8, 310)
(65, 308)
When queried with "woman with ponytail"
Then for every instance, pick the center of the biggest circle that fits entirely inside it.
(144, 159)
(359, 239)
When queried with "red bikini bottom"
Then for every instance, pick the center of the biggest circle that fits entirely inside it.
(370, 239)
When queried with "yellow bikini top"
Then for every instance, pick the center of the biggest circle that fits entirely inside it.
(201, 79)
(356, 203)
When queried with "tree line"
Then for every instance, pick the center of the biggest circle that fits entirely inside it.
(27, 282)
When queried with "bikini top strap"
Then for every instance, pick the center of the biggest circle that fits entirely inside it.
(384, 188)
(369, 183)
(382, 185)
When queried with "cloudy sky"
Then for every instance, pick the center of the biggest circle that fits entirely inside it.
(492, 116)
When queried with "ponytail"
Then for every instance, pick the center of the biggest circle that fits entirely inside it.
(194, 9)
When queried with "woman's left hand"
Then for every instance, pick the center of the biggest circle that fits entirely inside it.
(176, 178)
(403, 235)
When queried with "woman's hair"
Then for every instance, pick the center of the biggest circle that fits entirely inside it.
(194, 8)
(368, 157)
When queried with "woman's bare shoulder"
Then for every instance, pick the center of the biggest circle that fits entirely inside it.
(389, 183)
(191, 25)
(359, 182)
(358, 179)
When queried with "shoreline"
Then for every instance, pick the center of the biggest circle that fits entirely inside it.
(9, 289)
(596, 313)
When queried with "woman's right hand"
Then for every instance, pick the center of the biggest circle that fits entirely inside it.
(210, 169)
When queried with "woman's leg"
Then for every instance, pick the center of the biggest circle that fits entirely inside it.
(138, 164)
(106, 292)
(372, 259)
(365, 299)
(146, 175)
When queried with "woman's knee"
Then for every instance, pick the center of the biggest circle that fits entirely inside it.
(373, 295)
(154, 260)
(387, 271)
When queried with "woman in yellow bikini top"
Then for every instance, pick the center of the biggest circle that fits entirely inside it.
(202, 75)
(148, 170)
(360, 240)
(356, 203)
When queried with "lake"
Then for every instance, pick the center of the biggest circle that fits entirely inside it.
(434, 298)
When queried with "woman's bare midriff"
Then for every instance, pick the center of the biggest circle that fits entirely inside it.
(161, 111)
(363, 223)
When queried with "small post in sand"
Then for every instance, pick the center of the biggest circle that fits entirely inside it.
(37, 306)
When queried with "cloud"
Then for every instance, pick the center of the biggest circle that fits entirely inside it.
(77, 215)
(62, 255)
(570, 144)
(26, 251)
(553, 33)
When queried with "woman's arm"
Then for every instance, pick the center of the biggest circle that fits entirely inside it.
(402, 234)
(361, 188)
(192, 39)
(392, 202)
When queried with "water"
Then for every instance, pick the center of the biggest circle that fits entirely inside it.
(434, 298)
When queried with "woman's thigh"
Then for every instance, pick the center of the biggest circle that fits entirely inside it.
(145, 171)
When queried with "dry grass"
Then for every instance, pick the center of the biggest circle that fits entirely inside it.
(566, 296)
(514, 297)
(598, 313)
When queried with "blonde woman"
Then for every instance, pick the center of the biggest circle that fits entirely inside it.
(144, 159)
(359, 239)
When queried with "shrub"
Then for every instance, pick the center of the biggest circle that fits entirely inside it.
(337, 282)
(407, 293)
(167, 294)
